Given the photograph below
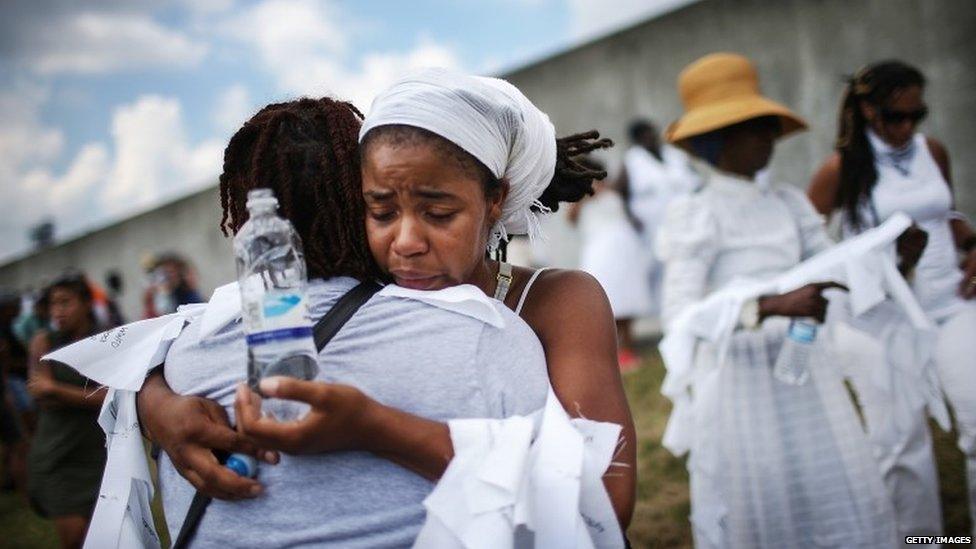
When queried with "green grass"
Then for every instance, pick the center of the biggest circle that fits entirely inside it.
(661, 514)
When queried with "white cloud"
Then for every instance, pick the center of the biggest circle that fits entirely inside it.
(379, 70)
(303, 45)
(232, 108)
(95, 42)
(591, 18)
(153, 159)
(150, 159)
(24, 141)
(289, 31)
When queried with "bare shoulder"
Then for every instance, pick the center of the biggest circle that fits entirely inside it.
(939, 153)
(937, 148)
(567, 288)
(566, 303)
(824, 186)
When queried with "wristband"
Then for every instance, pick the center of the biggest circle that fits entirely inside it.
(749, 315)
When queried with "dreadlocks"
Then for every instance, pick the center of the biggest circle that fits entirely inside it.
(571, 180)
(306, 152)
(875, 85)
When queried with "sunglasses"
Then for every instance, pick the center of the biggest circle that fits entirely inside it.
(897, 117)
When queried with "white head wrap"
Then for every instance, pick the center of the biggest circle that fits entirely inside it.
(491, 120)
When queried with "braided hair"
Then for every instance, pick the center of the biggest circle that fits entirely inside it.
(573, 178)
(306, 152)
(873, 84)
(571, 181)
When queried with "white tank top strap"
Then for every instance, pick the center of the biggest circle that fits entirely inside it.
(504, 279)
(525, 291)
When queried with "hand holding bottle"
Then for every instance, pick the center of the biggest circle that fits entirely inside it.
(807, 301)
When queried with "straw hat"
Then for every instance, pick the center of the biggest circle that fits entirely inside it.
(722, 89)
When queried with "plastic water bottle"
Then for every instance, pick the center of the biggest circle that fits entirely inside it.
(271, 273)
(793, 363)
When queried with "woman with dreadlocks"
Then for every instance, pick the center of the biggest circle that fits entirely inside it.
(882, 166)
(342, 486)
(267, 151)
(452, 165)
(773, 462)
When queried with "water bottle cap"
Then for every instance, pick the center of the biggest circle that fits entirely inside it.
(261, 198)
(243, 465)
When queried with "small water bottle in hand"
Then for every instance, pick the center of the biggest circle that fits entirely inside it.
(793, 363)
(272, 277)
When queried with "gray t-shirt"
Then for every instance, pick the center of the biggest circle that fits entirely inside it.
(403, 353)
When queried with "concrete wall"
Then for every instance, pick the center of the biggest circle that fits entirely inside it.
(188, 226)
(802, 49)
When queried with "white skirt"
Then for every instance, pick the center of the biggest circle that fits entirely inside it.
(614, 253)
(781, 466)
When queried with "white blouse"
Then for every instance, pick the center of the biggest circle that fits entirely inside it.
(733, 228)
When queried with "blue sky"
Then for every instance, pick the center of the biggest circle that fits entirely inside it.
(112, 107)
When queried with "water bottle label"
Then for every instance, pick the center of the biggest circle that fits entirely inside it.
(284, 334)
(803, 332)
(277, 310)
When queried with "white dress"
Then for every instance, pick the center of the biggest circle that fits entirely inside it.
(772, 465)
(919, 189)
(653, 185)
(612, 251)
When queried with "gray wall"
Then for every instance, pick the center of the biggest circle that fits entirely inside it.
(188, 225)
(802, 49)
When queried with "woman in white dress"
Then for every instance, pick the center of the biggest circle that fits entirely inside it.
(772, 464)
(883, 166)
(612, 251)
(653, 175)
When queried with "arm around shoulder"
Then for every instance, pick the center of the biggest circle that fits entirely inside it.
(570, 313)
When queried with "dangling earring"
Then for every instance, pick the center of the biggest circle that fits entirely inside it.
(501, 252)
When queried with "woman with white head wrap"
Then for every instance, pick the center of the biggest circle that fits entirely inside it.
(452, 166)
(431, 209)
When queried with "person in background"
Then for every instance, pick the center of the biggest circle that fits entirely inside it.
(67, 454)
(653, 175)
(884, 165)
(772, 464)
(114, 287)
(612, 251)
(32, 316)
(171, 284)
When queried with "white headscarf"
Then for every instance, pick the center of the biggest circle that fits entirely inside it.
(491, 120)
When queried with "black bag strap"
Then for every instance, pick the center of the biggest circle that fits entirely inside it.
(340, 313)
(323, 332)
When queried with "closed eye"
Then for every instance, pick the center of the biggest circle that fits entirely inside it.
(382, 216)
(441, 216)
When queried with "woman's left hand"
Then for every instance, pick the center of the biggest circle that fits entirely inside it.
(967, 288)
(341, 417)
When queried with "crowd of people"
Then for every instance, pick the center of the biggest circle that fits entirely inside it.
(52, 450)
(422, 195)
